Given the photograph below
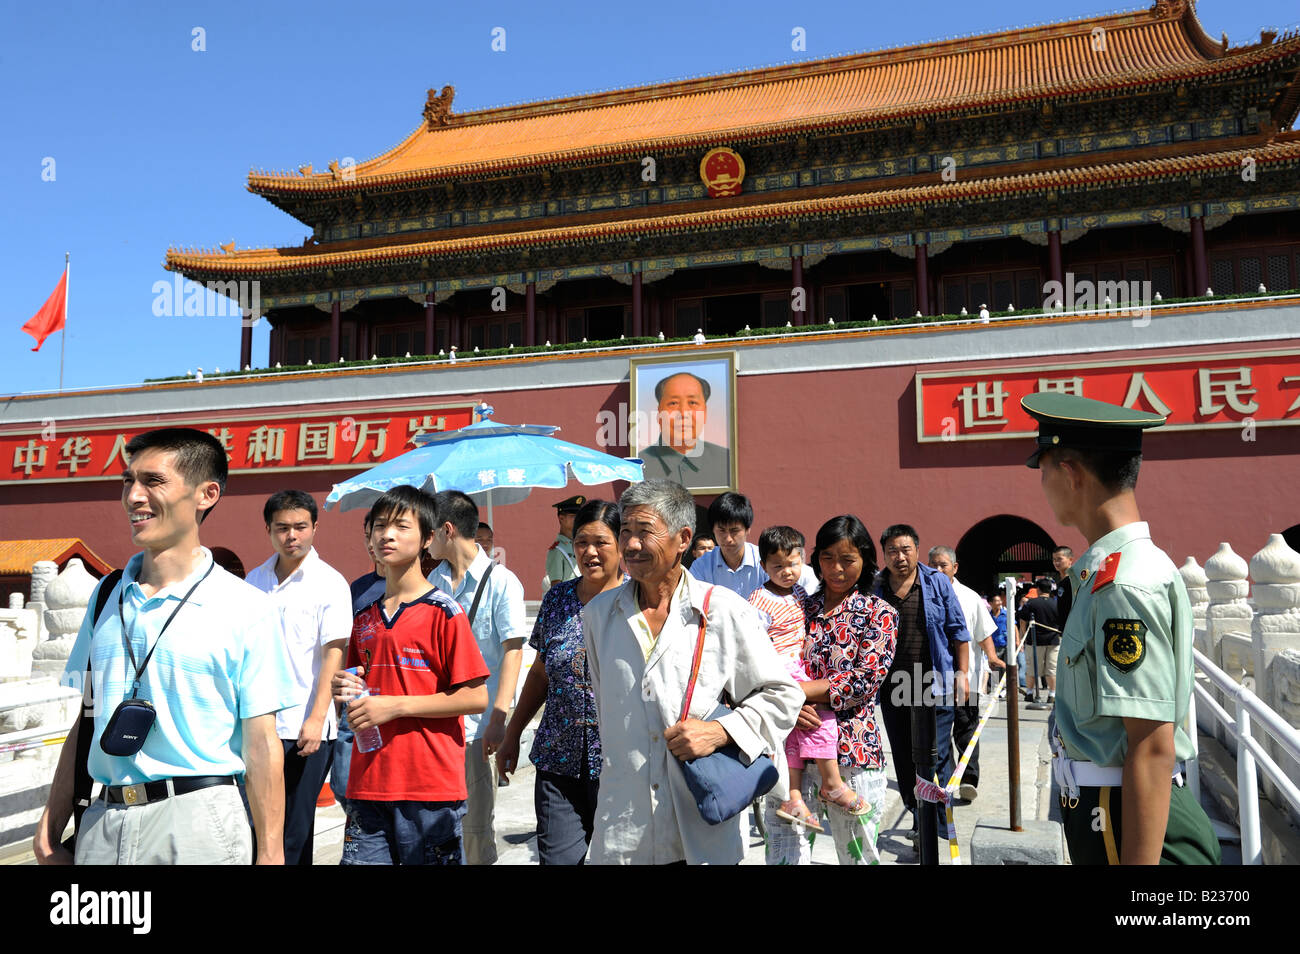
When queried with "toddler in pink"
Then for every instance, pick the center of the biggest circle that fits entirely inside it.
(779, 602)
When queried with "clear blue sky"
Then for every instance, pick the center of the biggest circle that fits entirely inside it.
(152, 141)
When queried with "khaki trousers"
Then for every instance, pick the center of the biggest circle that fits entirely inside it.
(207, 827)
(478, 827)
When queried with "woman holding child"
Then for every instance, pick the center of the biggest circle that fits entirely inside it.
(566, 748)
(847, 652)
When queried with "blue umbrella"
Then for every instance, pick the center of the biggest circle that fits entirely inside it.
(490, 461)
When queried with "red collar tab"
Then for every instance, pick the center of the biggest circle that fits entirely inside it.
(1106, 572)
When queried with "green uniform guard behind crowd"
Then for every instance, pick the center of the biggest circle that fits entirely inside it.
(561, 564)
(1125, 675)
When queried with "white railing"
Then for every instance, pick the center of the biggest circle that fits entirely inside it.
(28, 695)
(1251, 755)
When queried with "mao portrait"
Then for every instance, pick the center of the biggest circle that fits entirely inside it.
(684, 417)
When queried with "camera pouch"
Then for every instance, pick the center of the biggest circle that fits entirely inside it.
(128, 727)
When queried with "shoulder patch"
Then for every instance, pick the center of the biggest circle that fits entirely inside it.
(1125, 643)
(1106, 572)
(554, 545)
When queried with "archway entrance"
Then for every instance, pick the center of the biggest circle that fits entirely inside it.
(1003, 544)
(1292, 537)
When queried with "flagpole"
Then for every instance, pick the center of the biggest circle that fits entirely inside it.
(63, 337)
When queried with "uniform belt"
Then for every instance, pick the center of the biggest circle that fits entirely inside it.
(146, 792)
(1073, 774)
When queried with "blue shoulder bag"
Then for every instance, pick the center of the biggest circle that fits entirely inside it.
(723, 785)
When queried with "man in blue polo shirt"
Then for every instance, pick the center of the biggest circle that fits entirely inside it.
(734, 563)
(205, 650)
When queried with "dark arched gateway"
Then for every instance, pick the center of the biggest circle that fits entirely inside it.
(1000, 545)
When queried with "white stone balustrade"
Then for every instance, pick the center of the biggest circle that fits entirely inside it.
(1227, 613)
(18, 636)
(1194, 579)
(1284, 678)
(66, 599)
(43, 572)
(1275, 572)
(1256, 640)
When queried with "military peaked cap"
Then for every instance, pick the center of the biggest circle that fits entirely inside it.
(1066, 420)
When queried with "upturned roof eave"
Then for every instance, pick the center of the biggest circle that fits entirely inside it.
(287, 188)
(208, 266)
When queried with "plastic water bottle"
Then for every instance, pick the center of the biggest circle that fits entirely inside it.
(369, 739)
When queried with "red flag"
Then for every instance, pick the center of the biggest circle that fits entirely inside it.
(52, 316)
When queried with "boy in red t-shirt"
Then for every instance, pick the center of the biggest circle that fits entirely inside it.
(425, 672)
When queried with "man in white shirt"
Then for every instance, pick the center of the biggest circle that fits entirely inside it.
(315, 605)
(981, 626)
(496, 617)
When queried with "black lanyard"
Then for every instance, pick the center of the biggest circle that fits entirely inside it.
(126, 639)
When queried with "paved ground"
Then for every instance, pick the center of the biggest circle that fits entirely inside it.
(516, 822)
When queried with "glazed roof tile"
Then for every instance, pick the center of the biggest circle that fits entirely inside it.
(1136, 48)
(270, 261)
(18, 556)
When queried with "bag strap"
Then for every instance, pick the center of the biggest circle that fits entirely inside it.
(478, 592)
(699, 652)
(81, 781)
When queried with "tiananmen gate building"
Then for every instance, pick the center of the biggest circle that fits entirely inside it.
(883, 252)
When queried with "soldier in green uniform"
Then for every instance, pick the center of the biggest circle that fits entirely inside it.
(561, 564)
(1125, 673)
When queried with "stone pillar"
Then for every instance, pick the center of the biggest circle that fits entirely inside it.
(1275, 573)
(530, 314)
(430, 325)
(1194, 579)
(43, 572)
(1228, 617)
(797, 288)
(336, 330)
(1200, 273)
(923, 279)
(637, 305)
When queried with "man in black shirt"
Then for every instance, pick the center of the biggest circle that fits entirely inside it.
(1044, 612)
(1062, 560)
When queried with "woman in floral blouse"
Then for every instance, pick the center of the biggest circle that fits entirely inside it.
(848, 651)
(566, 746)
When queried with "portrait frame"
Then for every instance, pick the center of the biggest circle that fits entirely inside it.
(703, 471)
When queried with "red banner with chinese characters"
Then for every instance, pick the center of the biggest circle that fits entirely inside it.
(61, 450)
(1209, 391)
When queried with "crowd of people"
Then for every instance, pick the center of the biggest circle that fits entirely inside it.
(213, 736)
(399, 687)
